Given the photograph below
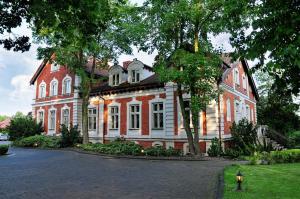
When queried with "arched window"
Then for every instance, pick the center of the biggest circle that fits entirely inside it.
(42, 90)
(53, 88)
(66, 86)
(228, 110)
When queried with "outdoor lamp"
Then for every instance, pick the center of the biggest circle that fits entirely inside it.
(239, 180)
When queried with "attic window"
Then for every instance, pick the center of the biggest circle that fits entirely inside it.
(115, 79)
(54, 67)
(135, 76)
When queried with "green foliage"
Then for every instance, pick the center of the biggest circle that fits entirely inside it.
(3, 149)
(161, 151)
(114, 148)
(3, 117)
(274, 36)
(23, 126)
(285, 156)
(41, 141)
(294, 139)
(232, 153)
(69, 136)
(244, 137)
(215, 149)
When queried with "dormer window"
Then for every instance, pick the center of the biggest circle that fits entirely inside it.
(135, 76)
(115, 79)
(54, 67)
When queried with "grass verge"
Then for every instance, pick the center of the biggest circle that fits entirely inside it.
(263, 181)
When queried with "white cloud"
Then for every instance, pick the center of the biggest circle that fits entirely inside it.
(22, 90)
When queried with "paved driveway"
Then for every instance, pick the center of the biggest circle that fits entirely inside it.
(33, 173)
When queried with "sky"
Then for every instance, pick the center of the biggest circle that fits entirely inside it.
(16, 70)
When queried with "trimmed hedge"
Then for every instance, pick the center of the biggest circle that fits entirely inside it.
(41, 141)
(286, 156)
(114, 148)
(3, 149)
(129, 148)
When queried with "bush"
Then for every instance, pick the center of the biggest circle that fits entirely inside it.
(114, 148)
(294, 139)
(23, 126)
(161, 151)
(244, 137)
(3, 149)
(232, 153)
(69, 137)
(214, 149)
(41, 141)
(286, 156)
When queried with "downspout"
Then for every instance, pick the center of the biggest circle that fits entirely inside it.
(103, 136)
(219, 118)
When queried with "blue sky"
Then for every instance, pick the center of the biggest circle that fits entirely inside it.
(16, 70)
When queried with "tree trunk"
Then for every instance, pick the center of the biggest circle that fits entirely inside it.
(85, 132)
(186, 125)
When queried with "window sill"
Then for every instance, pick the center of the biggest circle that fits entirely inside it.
(113, 129)
(134, 129)
(159, 129)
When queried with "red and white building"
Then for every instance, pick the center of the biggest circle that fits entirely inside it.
(134, 104)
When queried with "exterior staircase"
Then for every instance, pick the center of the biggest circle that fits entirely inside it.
(263, 137)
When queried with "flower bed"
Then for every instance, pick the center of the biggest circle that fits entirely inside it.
(41, 141)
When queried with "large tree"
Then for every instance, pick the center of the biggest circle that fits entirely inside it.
(269, 31)
(178, 30)
(80, 30)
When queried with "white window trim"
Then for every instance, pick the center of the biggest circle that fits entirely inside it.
(116, 131)
(94, 107)
(244, 82)
(40, 93)
(156, 132)
(38, 119)
(157, 143)
(237, 117)
(137, 71)
(134, 132)
(51, 91)
(112, 79)
(53, 131)
(52, 67)
(228, 110)
(66, 107)
(63, 85)
(248, 116)
(236, 76)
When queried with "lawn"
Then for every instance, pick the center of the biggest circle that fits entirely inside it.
(264, 181)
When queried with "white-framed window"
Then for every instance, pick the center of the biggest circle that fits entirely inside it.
(116, 79)
(248, 114)
(54, 67)
(52, 119)
(237, 111)
(53, 87)
(158, 115)
(134, 116)
(40, 117)
(228, 110)
(135, 76)
(237, 76)
(65, 118)
(42, 90)
(244, 82)
(252, 115)
(66, 88)
(114, 117)
(92, 120)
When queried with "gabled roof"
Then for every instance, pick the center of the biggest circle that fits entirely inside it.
(150, 82)
(88, 69)
(251, 80)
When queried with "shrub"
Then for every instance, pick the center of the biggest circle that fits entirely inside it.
(286, 156)
(294, 139)
(161, 151)
(23, 126)
(214, 149)
(244, 137)
(69, 137)
(232, 153)
(3, 149)
(115, 148)
(39, 141)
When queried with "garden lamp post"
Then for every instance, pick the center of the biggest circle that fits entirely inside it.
(239, 180)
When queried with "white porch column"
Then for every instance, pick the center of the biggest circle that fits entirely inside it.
(169, 110)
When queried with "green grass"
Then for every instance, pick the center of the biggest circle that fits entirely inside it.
(264, 181)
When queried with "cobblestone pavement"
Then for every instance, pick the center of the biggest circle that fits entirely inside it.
(39, 174)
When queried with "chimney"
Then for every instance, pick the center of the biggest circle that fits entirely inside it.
(125, 64)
